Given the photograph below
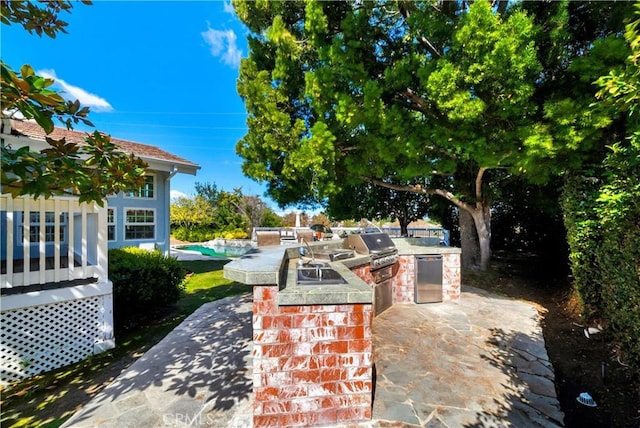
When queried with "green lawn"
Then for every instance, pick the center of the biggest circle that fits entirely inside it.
(50, 399)
(206, 285)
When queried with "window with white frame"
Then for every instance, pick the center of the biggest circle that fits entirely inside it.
(111, 224)
(139, 224)
(146, 191)
(49, 227)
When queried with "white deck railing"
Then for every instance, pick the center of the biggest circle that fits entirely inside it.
(51, 240)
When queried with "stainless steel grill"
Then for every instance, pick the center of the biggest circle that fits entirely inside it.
(379, 246)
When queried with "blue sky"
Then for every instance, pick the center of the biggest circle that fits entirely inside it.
(156, 72)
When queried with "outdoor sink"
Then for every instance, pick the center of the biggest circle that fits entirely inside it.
(318, 274)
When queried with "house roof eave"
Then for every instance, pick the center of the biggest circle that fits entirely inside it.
(157, 158)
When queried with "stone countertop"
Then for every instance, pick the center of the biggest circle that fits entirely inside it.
(411, 246)
(260, 266)
(263, 266)
(355, 291)
(277, 266)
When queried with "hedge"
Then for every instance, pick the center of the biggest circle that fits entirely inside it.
(193, 234)
(145, 283)
(205, 233)
(602, 216)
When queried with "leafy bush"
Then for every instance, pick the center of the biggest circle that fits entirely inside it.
(194, 233)
(618, 255)
(205, 233)
(583, 236)
(618, 207)
(144, 284)
(232, 234)
(602, 217)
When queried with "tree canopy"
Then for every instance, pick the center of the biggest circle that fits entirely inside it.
(91, 170)
(443, 97)
(216, 212)
(354, 90)
(385, 92)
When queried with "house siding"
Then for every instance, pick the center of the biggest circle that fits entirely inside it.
(159, 203)
(161, 163)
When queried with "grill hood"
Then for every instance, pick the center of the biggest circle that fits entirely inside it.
(370, 243)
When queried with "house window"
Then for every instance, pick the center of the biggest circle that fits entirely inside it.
(139, 224)
(145, 191)
(111, 224)
(49, 227)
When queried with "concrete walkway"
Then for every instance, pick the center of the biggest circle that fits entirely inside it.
(479, 362)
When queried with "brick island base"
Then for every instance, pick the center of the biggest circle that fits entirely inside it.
(313, 345)
(312, 363)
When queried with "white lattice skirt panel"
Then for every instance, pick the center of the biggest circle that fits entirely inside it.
(38, 339)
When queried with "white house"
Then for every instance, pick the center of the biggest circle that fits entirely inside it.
(55, 295)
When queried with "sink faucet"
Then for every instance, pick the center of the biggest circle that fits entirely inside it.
(302, 252)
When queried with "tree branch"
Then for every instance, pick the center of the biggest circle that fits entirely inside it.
(404, 10)
(417, 188)
(502, 6)
(418, 103)
(479, 187)
(432, 49)
(416, 99)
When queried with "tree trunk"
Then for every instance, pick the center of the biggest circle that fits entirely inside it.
(482, 221)
(404, 223)
(475, 237)
(470, 257)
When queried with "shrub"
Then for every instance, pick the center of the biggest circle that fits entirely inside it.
(145, 283)
(232, 234)
(194, 233)
(603, 229)
(583, 236)
(618, 255)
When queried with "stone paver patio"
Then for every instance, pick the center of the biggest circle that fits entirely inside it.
(479, 362)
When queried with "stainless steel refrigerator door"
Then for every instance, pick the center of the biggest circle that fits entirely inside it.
(428, 286)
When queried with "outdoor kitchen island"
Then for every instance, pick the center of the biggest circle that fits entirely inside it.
(312, 341)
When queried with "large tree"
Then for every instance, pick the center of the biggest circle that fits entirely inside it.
(341, 93)
(91, 170)
(190, 213)
(224, 207)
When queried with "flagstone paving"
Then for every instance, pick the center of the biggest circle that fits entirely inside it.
(479, 362)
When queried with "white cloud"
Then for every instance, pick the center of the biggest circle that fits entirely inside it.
(88, 99)
(228, 8)
(176, 194)
(223, 44)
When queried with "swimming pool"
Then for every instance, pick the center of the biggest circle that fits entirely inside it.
(218, 251)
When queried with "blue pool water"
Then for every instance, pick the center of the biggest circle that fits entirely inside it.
(218, 251)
